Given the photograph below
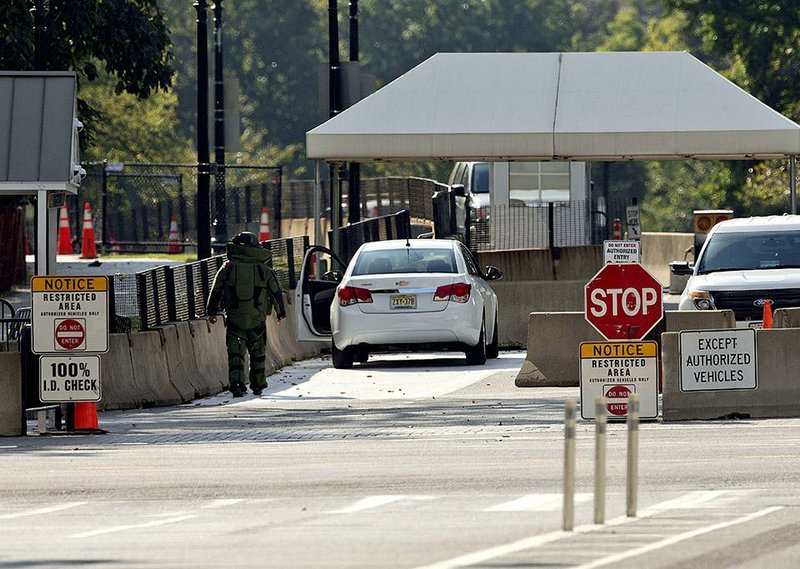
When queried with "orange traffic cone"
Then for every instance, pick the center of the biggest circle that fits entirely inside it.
(86, 416)
(174, 240)
(264, 234)
(767, 317)
(64, 235)
(88, 247)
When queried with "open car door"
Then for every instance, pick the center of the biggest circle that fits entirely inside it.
(320, 274)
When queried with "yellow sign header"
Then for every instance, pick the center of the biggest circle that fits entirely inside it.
(619, 350)
(69, 284)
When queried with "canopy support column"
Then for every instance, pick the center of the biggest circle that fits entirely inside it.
(316, 205)
(793, 183)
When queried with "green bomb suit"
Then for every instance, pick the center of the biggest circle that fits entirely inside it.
(246, 289)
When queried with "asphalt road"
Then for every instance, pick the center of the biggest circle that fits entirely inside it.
(405, 462)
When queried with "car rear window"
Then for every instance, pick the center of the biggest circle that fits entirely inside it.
(747, 251)
(405, 260)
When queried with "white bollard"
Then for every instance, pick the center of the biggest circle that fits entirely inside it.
(570, 423)
(600, 423)
(633, 455)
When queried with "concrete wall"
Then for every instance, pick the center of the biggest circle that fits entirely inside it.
(660, 249)
(777, 395)
(575, 263)
(12, 423)
(517, 299)
(554, 340)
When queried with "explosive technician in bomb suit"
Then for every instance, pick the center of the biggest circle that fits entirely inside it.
(246, 288)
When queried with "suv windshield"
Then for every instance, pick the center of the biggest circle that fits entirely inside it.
(746, 251)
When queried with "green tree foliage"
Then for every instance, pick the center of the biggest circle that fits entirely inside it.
(125, 39)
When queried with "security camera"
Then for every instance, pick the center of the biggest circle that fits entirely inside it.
(77, 125)
(77, 170)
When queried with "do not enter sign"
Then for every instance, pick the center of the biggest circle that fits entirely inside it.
(70, 334)
(623, 302)
(617, 399)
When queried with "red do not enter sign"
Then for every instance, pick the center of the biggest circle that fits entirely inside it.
(623, 302)
(70, 334)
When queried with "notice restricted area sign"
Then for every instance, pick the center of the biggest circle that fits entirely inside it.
(614, 370)
(716, 360)
(69, 378)
(69, 314)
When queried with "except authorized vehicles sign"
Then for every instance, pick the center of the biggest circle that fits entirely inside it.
(714, 360)
(614, 370)
(69, 314)
(69, 378)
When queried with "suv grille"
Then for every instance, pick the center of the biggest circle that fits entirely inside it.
(742, 301)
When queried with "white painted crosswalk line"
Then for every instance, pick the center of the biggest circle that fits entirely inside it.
(40, 511)
(697, 499)
(116, 529)
(537, 503)
(222, 502)
(371, 502)
(685, 501)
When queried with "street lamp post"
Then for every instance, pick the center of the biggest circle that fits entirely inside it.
(203, 191)
(220, 214)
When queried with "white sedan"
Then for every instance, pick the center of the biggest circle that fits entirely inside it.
(400, 295)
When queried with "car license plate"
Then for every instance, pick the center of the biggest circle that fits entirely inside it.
(404, 301)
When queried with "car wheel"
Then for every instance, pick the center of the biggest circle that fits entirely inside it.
(476, 355)
(342, 359)
(493, 350)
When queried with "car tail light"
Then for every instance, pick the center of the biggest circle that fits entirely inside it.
(352, 294)
(458, 292)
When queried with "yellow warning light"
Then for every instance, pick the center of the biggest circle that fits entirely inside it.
(705, 219)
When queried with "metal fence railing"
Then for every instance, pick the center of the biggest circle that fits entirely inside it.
(542, 225)
(178, 293)
(350, 238)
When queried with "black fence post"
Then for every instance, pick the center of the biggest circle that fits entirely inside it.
(169, 281)
(141, 289)
(290, 262)
(248, 209)
(277, 214)
(156, 299)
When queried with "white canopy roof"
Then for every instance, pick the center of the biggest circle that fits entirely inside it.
(557, 106)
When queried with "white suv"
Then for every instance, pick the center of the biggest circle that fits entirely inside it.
(743, 264)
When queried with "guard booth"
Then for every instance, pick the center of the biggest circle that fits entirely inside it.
(40, 159)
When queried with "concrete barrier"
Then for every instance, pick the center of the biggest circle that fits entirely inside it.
(150, 369)
(786, 318)
(777, 395)
(208, 342)
(12, 420)
(554, 340)
(119, 387)
(184, 374)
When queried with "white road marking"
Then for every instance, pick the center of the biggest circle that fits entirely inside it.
(476, 557)
(676, 539)
(371, 502)
(40, 511)
(116, 529)
(699, 499)
(537, 503)
(222, 502)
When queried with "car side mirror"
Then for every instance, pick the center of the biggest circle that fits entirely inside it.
(493, 273)
(332, 276)
(681, 268)
(458, 190)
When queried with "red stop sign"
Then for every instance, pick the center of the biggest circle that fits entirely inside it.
(617, 400)
(70, 334)
(623, 301)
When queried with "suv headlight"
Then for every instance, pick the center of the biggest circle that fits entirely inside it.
(702, 299)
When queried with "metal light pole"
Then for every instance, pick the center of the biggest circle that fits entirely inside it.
(203, 192)
(354, 175)
(334, 91)
(40, 10)
(220, 213)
